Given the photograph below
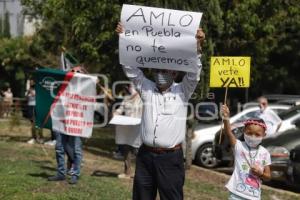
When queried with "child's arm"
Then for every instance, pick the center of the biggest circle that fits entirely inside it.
(264, 175)
(227, 127)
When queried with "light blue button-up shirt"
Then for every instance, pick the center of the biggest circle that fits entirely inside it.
(164, 114)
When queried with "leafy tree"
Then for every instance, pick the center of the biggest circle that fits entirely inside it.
(1, 27)
(15, 63)
(84, 27)
(285, 57)
(256, 28)
(6, 26)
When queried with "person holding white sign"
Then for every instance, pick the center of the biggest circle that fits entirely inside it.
(128, 136)
(271, 119)
(160, 162)
(70, 145)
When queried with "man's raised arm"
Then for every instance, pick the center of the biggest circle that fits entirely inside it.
(191, 79)
(133, 73)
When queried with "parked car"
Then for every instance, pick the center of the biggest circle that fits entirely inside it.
(207, 112)
(202, 142)
(289, 117)
(293, 171)
(280, 148)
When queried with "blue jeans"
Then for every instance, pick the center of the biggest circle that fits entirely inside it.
(72, 146)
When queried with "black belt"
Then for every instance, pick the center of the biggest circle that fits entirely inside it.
(160, 150)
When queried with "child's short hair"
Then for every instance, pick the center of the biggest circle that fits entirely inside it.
(257, 121)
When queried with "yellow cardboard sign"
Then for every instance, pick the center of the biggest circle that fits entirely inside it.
(230, 72)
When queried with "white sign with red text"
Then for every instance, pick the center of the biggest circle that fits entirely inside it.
(73, 112)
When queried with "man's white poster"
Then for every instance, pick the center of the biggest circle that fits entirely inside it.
(159, 38)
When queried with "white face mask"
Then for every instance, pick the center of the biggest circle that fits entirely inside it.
(252, 141)
(163, 79)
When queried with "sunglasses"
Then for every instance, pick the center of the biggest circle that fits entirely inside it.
(78, 71)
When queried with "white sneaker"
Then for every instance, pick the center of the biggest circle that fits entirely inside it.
(31, 141)
(50, 142)
(70, 171)
(118, 155)
(124, 176)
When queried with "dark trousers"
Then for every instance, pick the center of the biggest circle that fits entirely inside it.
(159, 171)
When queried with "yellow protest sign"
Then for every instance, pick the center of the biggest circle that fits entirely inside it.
(230, 72)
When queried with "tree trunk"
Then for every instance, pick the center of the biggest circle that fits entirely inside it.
(189, 136)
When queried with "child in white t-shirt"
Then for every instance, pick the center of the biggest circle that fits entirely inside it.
(251, 160)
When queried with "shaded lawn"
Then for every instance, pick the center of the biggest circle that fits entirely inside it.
(24, 171)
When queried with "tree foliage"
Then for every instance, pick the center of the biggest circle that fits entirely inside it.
(15, 63)
(259, 28)
(84, 27)
(6, 26)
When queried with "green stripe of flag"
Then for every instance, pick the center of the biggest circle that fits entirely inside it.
(48, 82)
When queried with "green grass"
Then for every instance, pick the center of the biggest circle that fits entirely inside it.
(24, 170)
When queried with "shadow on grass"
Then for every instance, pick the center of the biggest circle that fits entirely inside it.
(10, 138)
(41, 175)
(43, 165)
(102, 143)
(284, 186)
(48, 168)
(98, 152)
(104, 174)
(41, 161)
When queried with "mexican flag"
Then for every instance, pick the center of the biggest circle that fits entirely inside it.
(65, 101)
(67, 61)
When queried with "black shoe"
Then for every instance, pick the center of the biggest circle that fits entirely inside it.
(73, 180)
(56, 178)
